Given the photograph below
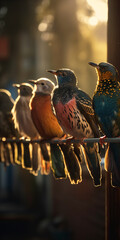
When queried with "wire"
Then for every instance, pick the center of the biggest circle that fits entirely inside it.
(59, 141)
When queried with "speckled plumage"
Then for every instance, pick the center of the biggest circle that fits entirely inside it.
(75, 114)
(80, 123)
(106, 104)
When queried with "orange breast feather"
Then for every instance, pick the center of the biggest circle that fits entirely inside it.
(43, 117)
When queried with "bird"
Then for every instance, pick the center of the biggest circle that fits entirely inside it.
(75, 114)
(7, 129)
(23, 122)
(106, 104)
(64, 158)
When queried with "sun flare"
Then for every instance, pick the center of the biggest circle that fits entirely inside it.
(100, 9)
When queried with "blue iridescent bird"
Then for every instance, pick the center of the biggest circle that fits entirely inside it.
(76, 116)
(106, 104)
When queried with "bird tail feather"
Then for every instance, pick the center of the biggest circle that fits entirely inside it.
(6, 154)
(45, 158)
(78, 151)
(26, 156)
(92, 159)
(35, 159)
(112, 163)
(72, 163)
(57, 160)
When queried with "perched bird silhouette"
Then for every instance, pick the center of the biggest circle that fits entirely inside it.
(23, 122)
(63, 156)
(106, 104)
(76, 116)
(7, 129)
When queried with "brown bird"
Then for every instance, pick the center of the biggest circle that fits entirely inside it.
(23, 122)
(7, 129)
(63, 155)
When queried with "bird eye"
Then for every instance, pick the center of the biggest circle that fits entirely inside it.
(42, 83)
(60, 74)
(64, 74)
(103, 68)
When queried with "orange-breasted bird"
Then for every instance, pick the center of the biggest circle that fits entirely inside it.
(63, 156)
(23, 122)
(76, 116)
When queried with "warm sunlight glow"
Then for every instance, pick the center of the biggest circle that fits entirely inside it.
(93, 21)
(42, 27)
(100, 9)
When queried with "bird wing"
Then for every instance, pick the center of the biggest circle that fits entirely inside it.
(84, 105)
(116, 117)
(7, 126)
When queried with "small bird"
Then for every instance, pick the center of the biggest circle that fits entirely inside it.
(23, 122)
(76, 116)
(106, 104)
(63, 157)
(21, 111)
(7, 129)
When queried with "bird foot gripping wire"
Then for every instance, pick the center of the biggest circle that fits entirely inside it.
(59, 140)
(81, 140)
(101, 140)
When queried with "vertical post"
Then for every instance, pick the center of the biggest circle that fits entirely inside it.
(114, 33)
(112, 207)
(113, 194)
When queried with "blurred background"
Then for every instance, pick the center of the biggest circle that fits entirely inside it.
(36, 35)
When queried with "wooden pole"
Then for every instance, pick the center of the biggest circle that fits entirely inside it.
(112, 210)
(112, 195)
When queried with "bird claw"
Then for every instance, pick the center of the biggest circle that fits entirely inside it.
(60, 139)
(82, 141)
(68, 140)
(101, 140)
(64, 137)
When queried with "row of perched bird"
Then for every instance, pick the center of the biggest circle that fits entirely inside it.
(64, 112)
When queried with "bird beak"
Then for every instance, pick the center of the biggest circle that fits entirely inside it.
(32, 81)
(16, 85)
(94, 65)
(52, 71)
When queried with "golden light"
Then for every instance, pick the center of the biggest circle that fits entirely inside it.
(42, 27)
(93, 21)
(100, 9)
